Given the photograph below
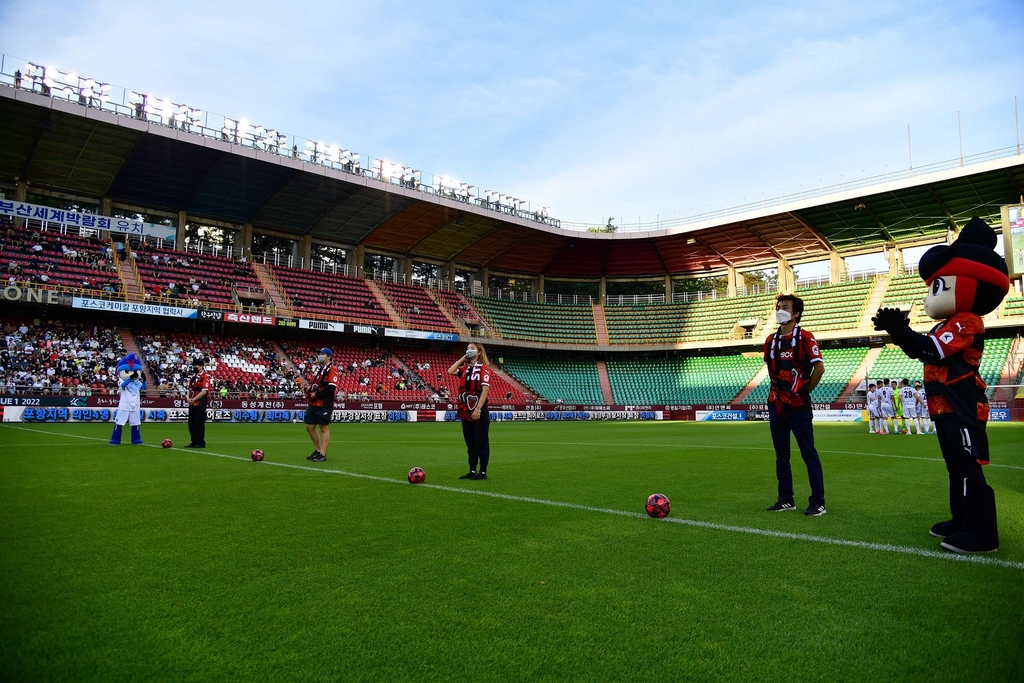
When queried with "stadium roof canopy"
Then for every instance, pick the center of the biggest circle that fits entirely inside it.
(63, 147)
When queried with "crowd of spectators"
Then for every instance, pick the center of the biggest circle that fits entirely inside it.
(44, 257)
(169, 360)
(59, 358)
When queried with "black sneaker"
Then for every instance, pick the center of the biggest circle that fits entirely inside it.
(815, 511)
(312, 456)
(782, 506)
(191, 445)
(468, 475)
(318, 457)
(478, 476)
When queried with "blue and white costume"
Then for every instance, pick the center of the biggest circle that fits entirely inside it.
(129, 408)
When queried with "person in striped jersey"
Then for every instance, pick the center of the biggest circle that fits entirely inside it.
(474, 386)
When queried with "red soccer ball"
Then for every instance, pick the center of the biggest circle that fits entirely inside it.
(257, 455)
(416, 475)
(658, 506)
(166, 443)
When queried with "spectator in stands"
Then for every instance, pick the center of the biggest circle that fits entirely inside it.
(795, 368)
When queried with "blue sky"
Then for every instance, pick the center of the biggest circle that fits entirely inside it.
(638, 110)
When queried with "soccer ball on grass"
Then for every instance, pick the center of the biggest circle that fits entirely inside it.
(166, 443)
(658, 506)
(257, 455)
(416, 475)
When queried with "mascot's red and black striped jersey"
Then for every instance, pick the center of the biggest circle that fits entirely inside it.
(326, 376)
(789, 359)
(472, 380)
(951, 378)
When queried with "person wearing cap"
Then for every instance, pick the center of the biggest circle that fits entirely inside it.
(198, 395)
(322, 386)
(966, 280)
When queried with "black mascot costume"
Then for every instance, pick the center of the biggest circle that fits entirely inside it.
(966, 280)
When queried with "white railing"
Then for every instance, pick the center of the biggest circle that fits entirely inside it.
(321, 266)
(633, 299)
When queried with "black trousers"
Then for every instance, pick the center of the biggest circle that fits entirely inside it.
(197, 424)
(478, 444)
(800, 424)
(972, 502)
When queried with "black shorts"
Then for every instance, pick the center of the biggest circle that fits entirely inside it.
(318, 415)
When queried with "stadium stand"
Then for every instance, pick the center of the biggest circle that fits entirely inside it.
(892, 363)
(714, 319)
(50, 257)
(553, 323)
(416, 307)
(906, 291)
(432, 368)
(367, 373)
(167, 273)
(835, 307)
(645, 324)
(59, 358)
(840, 366)
(713, 379)
(571, 380)
(330, 295)
(244, 367)
(458, 305)
(1014, 306)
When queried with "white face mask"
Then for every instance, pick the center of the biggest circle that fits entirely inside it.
(471, 353)
(783, 317)
(322, 358)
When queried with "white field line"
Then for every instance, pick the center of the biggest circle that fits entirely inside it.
(886, 547)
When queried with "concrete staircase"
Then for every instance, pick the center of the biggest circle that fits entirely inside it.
(874, 301)
(285, 359)
(527, 391)
(385, 303)
(600, 325)
(131, 347)
(131, 282)
(454, 320)
(606, 382)
(274, 290)
(860, 374)
(752, 384)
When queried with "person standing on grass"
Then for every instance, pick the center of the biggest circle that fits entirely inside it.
(198, 397)
(474, 386)
(795, 368)
(320, 393)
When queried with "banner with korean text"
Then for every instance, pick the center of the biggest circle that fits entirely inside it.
(76, 219)
(130, 307)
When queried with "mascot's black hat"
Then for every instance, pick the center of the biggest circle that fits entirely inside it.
(982, 278)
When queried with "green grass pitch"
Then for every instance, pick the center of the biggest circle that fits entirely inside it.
(144, 564)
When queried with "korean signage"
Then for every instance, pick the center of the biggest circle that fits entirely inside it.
(249, 319)
(64, 218)
(132, 307)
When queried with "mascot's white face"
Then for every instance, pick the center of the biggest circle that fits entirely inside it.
(940, 302)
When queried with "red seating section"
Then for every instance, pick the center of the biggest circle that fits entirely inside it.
(344, 356)
(220, 274)
(83, 266)
(459, 306)
(330, 295)
(417, 308)
(438, 377)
